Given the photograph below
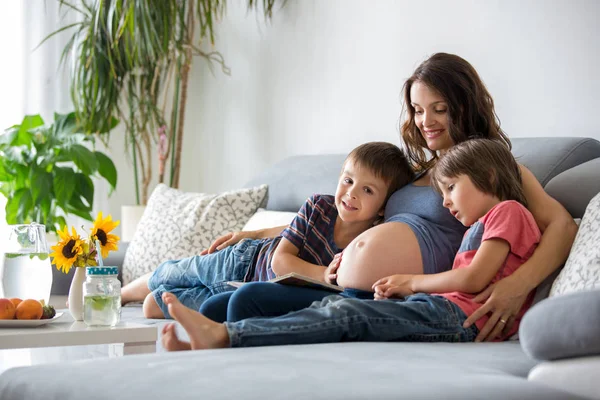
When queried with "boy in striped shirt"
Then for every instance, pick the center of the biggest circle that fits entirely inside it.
(310, 245)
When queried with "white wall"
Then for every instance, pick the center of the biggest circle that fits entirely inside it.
(326, 75)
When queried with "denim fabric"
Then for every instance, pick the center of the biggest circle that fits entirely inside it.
(418, 318)
(215, 307)
(266, 299)
(260, 299)
(197, 278)
(357, 294)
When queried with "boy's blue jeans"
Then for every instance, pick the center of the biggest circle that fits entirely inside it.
(265, 299)
(260, 299)
(197, 278)
(417, 318)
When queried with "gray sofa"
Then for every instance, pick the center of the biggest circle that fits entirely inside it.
(569, 169)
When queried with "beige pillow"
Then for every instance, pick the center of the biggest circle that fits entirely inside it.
(177, 225)
(582, 269)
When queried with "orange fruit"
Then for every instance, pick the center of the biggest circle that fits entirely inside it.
(15, 301)
(7, 309)
(29, 309)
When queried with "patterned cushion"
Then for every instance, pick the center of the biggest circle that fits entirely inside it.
(582, 269)
(176, 225)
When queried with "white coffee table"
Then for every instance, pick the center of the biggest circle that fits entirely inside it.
(136, 338)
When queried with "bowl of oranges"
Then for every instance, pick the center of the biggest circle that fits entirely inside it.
(16, 312)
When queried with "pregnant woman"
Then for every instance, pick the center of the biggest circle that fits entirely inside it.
(446, 103)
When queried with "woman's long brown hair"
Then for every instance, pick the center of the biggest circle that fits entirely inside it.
(471, 111)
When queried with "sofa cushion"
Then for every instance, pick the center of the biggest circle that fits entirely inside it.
(562, 327)
(582, 269)
(292, 180)
(177, 224)
(322, 371)
(575, 187)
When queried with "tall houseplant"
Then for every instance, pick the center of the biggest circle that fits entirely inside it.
(46, 171)
(131, 59)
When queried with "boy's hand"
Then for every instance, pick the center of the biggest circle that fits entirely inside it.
(330, 273)
(393, 286)
(229, 239)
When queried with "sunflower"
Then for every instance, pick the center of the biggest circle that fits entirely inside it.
(101, 232)
(66, 251)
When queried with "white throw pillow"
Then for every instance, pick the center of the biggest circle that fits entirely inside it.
(268, 219)
(177, 225)
(582, 269)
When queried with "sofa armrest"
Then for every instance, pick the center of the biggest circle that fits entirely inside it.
(563, 327)
(575, 187)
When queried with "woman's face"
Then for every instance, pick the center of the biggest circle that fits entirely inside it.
(431, 116)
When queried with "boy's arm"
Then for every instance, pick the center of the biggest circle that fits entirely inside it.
(472, 279)
(286, 260)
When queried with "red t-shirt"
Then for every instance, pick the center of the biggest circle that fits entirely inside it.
(509, 221)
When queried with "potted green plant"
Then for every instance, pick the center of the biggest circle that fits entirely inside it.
(46, 171)
(131, 59)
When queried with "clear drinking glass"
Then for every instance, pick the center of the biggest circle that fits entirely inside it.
(25, 268)
(101, 296)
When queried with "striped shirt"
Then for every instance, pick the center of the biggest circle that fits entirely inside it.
(311, 232)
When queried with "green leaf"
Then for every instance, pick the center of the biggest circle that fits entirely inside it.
(83, 158)
(4, 175)
(107, 125)
(41, 183)
(45, 206)
(10, 135)
(14, 154)
(64, 185)
(65, 124)
(79, 212)
(29, 122)
(60, 222)
(85, 191)
(18, 207)
(107, 169)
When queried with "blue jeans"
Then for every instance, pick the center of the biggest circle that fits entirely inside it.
(195, 279)
(260, 299)
(418, 318)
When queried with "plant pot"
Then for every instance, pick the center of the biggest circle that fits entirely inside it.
(76, 294)
(130, 217)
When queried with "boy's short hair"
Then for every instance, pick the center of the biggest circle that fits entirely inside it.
(488, 163)
(386, 161)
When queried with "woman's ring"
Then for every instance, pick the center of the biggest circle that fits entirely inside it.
(503, 321)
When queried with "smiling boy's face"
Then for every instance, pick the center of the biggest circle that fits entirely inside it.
(465, 201)
(360, 195)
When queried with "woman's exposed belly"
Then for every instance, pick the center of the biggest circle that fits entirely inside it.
(386, 249)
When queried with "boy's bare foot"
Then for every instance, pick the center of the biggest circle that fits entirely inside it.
(171, 342)
(203, 332)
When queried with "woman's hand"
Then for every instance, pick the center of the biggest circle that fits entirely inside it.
(393, 286)
(330, 273)
(503, 300)
(227, 240)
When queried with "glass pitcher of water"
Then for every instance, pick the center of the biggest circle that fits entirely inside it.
(25, 269)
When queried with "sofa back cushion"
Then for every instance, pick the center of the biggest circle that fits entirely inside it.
(294, 179)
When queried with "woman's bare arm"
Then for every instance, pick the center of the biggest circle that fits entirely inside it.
(506, 297)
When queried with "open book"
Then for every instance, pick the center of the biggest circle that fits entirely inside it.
(295, 279)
